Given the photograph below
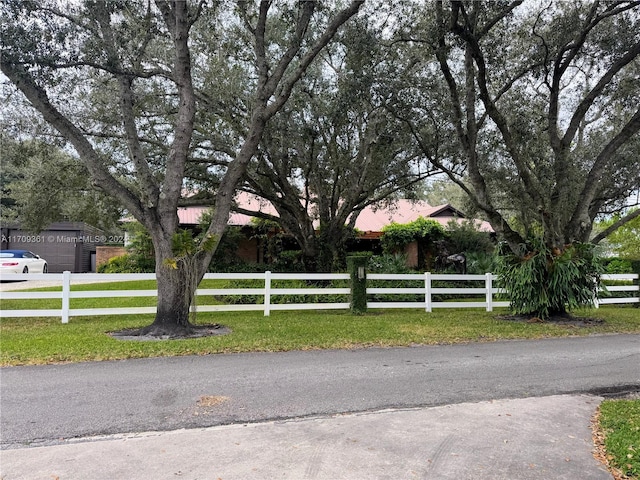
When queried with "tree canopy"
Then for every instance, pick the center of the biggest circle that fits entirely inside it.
(536, 105)
(135, 87)
(42, 184)
(335, 148)
(531, 108)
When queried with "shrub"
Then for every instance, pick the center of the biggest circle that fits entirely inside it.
(392, 263)
(140, 257)
(547, 281)
(277, 299)
(389, 263)
(128, 263)
(288, 261)
(396, 236)
(479, 262)
(464, 237)
(618, 265)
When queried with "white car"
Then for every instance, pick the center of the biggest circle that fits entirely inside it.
(21, 261)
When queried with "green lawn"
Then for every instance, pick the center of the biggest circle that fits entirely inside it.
(620, 423)
(46, 340)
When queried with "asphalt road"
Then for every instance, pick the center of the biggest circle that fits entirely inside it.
(45, 405)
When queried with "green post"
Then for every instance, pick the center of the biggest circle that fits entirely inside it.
(635, 266)
(357, 265)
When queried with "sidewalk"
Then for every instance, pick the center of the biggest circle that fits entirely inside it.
(531, 438)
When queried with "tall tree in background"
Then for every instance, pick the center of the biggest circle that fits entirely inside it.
(42, 184)
(542, 101)
(335, 149)
(78, 63)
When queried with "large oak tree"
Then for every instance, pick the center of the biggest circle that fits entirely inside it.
(335, 148)
(126, 83)
(541, 100)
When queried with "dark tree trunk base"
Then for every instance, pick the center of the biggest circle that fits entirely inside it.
(167, 329)
(170, 332)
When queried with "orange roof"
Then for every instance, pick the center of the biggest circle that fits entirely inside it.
(372, 219)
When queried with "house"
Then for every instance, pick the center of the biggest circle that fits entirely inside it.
(369, 224)
(373, 219)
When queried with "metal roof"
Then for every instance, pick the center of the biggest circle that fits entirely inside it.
(371, 220)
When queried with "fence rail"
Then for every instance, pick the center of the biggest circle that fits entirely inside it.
(427, 286)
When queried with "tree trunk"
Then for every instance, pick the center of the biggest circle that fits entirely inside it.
(174, 302)
(309, 248)
(177, 279)
(319, 251)
(331, 246)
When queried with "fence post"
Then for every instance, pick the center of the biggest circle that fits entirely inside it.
(635, 268)
(488, 285)
(66, 290)
(596, 295)
(267, 293)
(427, 292)
(357, 265)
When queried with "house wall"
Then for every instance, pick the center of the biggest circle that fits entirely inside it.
(249, 250)
(411, 251)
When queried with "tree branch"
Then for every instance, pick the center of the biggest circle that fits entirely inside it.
(493, 21)
(593, 180)
(595, 92)
(176, 16)
(305, 61)
(147, 181)
(615, 226)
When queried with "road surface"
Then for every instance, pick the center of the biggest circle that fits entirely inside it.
(45, 405)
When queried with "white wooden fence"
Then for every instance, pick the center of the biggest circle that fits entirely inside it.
(481, 288)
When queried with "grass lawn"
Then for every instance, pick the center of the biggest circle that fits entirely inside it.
(26, 341)
(620, 425)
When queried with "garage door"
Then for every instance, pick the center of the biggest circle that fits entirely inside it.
(57, 247)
